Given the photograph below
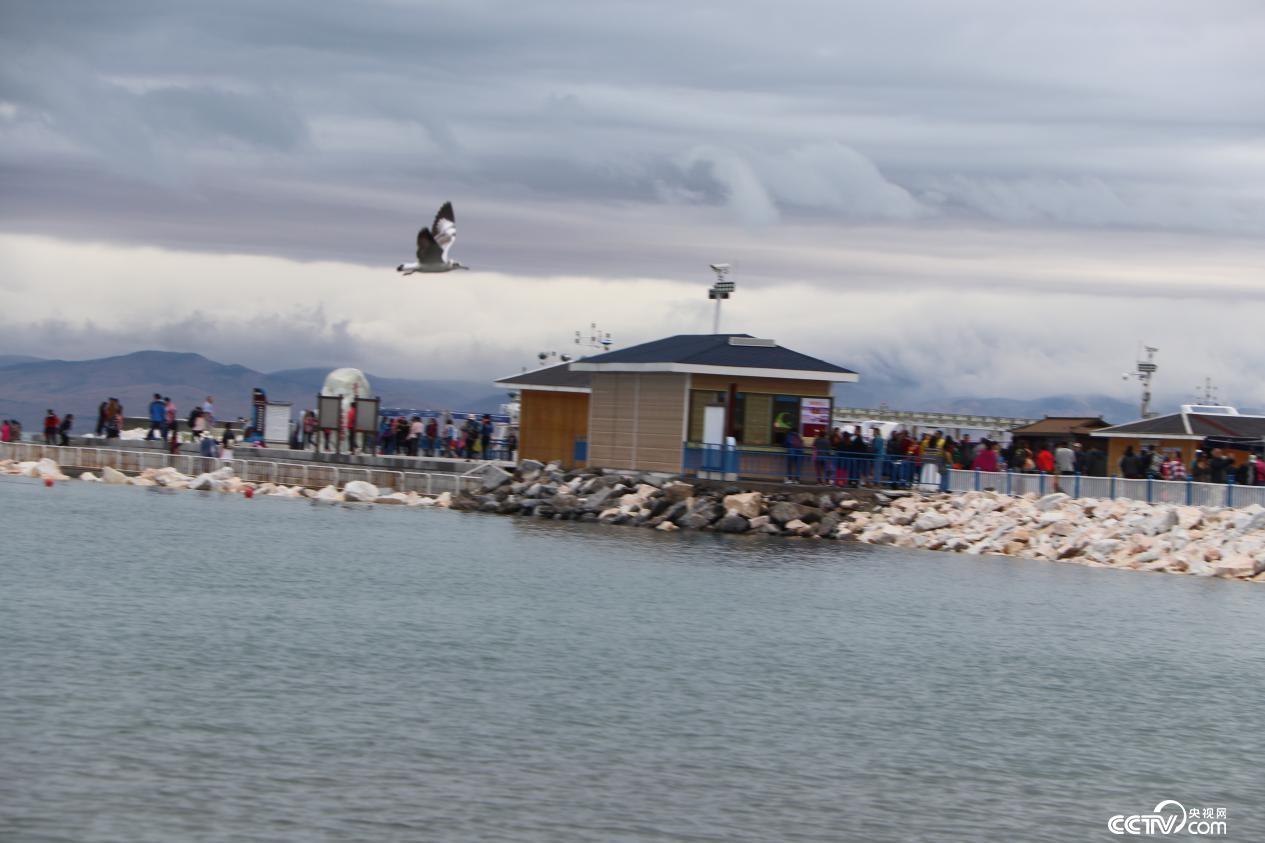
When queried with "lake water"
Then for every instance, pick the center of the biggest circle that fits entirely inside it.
(181, 666)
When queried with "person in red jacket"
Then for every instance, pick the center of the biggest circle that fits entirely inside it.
(50, 428)
(986, 457)
(1045, 460)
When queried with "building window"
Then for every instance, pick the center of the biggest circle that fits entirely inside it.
(759, 420)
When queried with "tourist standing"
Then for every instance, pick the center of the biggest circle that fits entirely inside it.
(1174, 468)
(170, 422)
(198, 423)
(1045, 460)
(1064, 464)
(63, 429)
(416, 431)
(157, 418)
(794, 453)
(208, 409)
(1129, 464)
(6, 432)
(309, 429)
(113, 418)
(1219, 465)
(986, 457)
(822, 455)
(485, 436)
(50, 428)
(101, 417)
(351, 429)
(432, 435)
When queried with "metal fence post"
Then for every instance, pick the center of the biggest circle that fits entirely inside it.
(1150, 494)
(1041, 484)
(1113, 487)
(1229, 492)
(1190, 490)
(1077, 484)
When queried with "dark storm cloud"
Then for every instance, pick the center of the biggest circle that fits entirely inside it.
(1133, 115)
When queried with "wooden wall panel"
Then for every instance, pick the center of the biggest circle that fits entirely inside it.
(636, 421)
(549, 424)
(771, 386)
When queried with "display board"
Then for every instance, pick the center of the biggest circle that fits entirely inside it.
(814, 416)
(277, 422)
(329, 414)
(366, 414)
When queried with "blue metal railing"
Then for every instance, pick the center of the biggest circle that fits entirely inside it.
(806, 466)
(1151, 490)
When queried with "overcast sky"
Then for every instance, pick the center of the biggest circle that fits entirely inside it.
(971, 198)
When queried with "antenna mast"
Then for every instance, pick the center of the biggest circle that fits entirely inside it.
(1146, 371)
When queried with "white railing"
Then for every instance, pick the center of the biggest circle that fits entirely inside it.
(310, 475)
(1152, 491)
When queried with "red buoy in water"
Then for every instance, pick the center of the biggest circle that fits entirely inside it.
(249, 492)
(48, 481)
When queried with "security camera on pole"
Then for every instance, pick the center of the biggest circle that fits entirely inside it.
(719, 291)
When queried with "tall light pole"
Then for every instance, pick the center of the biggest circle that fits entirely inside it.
(1146, 370)
(719, 291)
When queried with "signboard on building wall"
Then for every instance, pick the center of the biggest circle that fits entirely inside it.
(814, 416)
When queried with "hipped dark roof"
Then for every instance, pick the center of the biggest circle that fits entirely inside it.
(1200, 425)
(716, 350)
(550, 376)
(1066, 425)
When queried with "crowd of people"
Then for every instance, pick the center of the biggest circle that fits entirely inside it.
(849, 457)
(1210, 465)
(411, 436)
(833, 454)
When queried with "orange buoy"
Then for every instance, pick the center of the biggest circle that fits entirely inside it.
(248, 492)
(48, 481)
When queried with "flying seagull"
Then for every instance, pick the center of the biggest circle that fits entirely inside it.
(433, 244)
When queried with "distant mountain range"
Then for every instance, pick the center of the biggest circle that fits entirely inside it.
(29, 386)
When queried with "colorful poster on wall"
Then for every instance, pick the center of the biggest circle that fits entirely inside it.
(814, 417)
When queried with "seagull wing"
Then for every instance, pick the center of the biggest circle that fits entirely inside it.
(428, 251)
(444, 229)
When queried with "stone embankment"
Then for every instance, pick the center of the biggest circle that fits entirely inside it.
(1203, 541)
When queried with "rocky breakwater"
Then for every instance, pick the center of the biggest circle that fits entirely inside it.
(1203, 541)
(224, 481)
(657, 501)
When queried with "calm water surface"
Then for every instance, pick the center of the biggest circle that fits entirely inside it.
(180, 666)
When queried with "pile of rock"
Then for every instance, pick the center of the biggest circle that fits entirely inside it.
(1204, 541)
(223, 480)
(658, 501)
(45, 469)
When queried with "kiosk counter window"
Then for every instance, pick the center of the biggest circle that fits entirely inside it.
(759, 419)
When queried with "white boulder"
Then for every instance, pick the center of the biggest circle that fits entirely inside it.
(113, 477)
(360, 490)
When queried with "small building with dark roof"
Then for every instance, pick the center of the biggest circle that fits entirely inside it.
(553, 413)
(1183, 431)
(1052, 430)
(648, 401)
